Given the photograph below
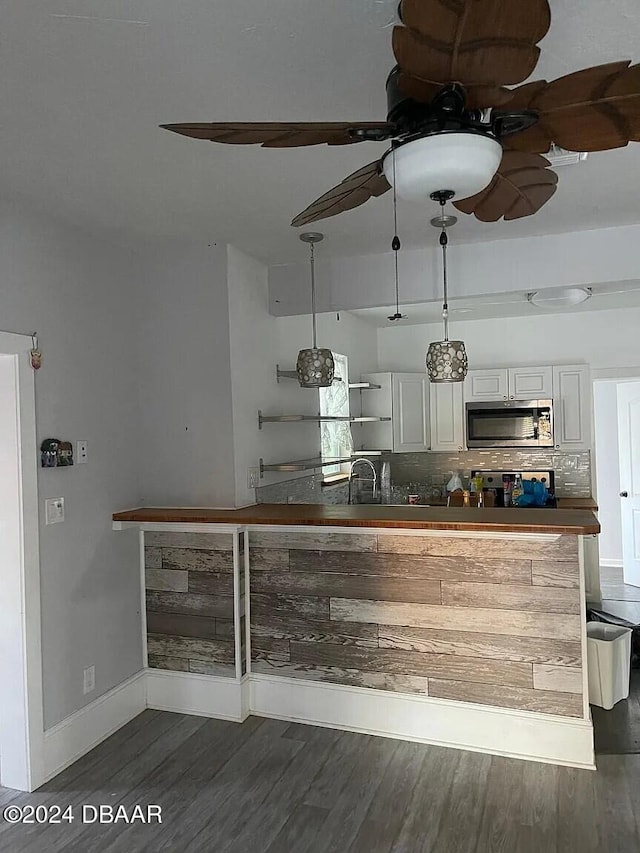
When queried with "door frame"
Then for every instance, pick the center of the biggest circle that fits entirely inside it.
(22, 715)
(625, 458)
(619, 375)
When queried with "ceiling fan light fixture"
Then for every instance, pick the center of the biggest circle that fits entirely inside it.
(559, 297)
(462, 162)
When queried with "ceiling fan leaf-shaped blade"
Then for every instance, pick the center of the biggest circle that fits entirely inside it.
(368, 182)
(521, 186)
(474, 42)
(478, 97)
(283, 134)
(596, 109)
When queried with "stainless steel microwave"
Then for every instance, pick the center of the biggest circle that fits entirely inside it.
(514, 423)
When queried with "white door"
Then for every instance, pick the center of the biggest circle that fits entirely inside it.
(531, 383)
(629, 438)
(410, 412)
(447, 416)
(486, 385)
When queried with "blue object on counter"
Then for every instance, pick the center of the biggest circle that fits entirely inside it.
(534, 493)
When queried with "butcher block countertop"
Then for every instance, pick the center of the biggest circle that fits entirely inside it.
(577, 503)
(563, 503)
(573, 521)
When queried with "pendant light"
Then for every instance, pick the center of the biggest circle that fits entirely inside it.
(395, 246)
(315, 366)
(446, 360)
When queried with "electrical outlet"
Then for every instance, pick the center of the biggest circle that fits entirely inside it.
(253, 476)
(82, 452)
(54, 510)
(89, 679)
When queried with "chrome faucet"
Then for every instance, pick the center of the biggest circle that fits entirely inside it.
(373, 479)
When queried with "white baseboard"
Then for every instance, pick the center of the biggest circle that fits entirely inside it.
(202, 695)
(77, 734)
(499, 731)
(609, 563)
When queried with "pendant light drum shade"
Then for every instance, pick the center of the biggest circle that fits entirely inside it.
(315, 365)
(447, 361)
(462, 162)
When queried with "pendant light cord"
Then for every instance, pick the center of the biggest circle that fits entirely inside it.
(313, 291)
(395, 243)
(444, 240)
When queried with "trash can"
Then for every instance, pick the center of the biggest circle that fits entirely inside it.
(609, 663)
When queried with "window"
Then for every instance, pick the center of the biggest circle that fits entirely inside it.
(336, 441)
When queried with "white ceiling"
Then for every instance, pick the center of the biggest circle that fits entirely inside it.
(85, 84)
(619, 294)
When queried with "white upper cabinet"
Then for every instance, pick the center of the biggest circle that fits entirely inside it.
(572, 407)
(486, 385)
(410, 416)
(447, 416)
(404, 397)
(519, 383)
(531, 383)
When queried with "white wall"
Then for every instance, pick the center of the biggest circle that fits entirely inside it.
(603, 339)
(500, 266)
(348, 335)
(608, 470)
(253, 343)
(76, 292)
(184, 376)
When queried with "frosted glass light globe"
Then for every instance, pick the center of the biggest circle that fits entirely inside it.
(460, 161)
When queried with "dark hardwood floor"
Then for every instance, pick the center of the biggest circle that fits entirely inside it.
(271, 787)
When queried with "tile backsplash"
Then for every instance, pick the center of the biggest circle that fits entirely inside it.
(427, 473)
(433, 470)
(302, 490)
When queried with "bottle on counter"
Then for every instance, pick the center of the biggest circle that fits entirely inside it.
(506, 491)
(517, 490)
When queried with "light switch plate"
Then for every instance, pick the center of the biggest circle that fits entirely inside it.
(89, 679)
(82, 452)
(253, 478)
(54, 510)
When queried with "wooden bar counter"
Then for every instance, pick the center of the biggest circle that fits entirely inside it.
(457, 626)
(574, 521)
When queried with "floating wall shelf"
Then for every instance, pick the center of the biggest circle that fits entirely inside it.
(301, 465)
(288, 419)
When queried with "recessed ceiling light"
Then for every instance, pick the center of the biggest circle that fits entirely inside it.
(559, 297)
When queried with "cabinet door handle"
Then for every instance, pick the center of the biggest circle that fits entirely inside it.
(505, 397)
(557, 447)
(512, 397)
(624, 494)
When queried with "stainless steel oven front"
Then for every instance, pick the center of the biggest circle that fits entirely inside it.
(514, 423)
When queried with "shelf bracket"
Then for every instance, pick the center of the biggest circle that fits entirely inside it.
(285, 374)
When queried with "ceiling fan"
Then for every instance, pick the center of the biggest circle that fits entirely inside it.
(457, 130)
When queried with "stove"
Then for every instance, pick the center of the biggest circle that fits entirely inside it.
(493, 480)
